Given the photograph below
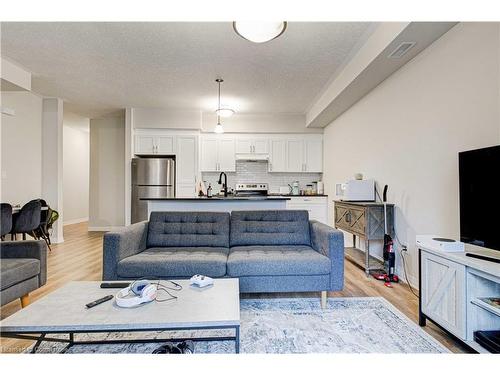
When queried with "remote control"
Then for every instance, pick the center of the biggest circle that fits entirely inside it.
(114, 285)
(98, 301)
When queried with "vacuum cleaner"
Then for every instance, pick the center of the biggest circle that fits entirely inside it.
(387, 275)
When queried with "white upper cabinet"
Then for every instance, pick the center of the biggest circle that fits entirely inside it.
(243, 146)
(252, 146)
(165, 144)
(218, 155)
(295, 159)
(313, 155)
(145, 144)
(277, 155)
(154, 144)
(226, 155)
(209, 158)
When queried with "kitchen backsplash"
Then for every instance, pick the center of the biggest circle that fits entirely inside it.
(248, 171)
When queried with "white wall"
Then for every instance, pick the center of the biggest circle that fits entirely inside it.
(21, 148)
(107, 173)
(76, 145)
(408, 131)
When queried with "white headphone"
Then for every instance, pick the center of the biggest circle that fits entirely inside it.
(137, 293)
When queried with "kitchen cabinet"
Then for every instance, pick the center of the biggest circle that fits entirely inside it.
(313, 155)
(218, 155)
(295, 158)
(316, 206)
(252, 146)
(186, 166)
(277, 155)
(154, 144)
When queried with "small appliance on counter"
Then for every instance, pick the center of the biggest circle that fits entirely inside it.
(318, 187)
(294, 188)
(356, 190)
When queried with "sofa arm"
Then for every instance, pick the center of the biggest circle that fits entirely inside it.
(27, 249)
(330, 242)
(121, 244)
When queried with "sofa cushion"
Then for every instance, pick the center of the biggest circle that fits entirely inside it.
(277, 227)
(187, 229)
(276, 260)
(15, 270)
(175, 262)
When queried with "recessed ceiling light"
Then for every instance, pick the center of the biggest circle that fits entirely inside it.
(259, 32)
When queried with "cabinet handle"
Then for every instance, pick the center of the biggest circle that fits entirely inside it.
(270, 167)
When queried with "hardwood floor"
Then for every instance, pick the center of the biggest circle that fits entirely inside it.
(80, 258)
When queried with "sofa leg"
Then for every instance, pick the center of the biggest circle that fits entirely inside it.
(25, 300)
(323, 299)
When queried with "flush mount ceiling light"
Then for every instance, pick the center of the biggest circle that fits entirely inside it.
(259, 32)
(221, 112)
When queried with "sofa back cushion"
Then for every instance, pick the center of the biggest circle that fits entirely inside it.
(279, 227)
(188, 229)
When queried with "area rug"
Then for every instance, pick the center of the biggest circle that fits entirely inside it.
(347, 325)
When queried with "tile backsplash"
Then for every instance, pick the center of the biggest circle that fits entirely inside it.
(251, 171)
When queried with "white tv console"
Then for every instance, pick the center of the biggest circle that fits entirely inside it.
(450, 287)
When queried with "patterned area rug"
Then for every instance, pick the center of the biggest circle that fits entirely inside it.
(347, 325)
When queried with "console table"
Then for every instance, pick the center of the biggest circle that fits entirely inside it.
(364, 220)
(451, 285)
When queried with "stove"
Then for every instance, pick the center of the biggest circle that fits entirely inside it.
(251, 190)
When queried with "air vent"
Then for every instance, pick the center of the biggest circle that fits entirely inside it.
(401, 50)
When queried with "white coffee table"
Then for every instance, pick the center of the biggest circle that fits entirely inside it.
(64, 312)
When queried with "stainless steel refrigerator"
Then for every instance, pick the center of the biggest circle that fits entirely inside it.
(151, 178)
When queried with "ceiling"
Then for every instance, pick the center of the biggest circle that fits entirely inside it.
(98, 68)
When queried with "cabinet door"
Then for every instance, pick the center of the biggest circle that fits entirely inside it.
(260, 146)
(295, 159)
(145, 144)
(314, 155)
(186, 160)
(277, 155)
(243, 146)
(208, 162)
(165, 144)
(226, 155)
(443, 292)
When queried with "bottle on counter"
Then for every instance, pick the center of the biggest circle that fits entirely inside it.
(209, 191)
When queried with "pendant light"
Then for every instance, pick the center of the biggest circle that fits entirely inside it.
(221, 112)
(259, 32)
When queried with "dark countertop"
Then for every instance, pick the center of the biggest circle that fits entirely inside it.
(201, 199)
(361, 203)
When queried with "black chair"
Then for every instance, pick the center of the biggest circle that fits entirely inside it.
(43, 229)
(27, 220)
(5, 219)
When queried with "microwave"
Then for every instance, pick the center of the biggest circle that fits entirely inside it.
(356, 190)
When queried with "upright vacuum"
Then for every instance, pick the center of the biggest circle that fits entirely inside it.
(387, 275)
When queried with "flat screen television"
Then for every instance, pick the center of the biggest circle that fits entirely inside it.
(480, 197)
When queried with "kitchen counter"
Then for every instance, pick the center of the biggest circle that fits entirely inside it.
(230, 198)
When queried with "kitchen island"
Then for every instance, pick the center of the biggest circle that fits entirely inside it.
(217, 204)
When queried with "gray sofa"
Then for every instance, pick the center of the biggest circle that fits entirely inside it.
(268, 251)
(23, 269)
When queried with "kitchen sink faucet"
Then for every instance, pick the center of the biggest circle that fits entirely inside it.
(224, 185)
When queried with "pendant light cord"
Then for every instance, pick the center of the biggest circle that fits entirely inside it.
(218, 108)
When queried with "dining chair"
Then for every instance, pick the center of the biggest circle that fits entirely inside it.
(5, 219)
(27, 220)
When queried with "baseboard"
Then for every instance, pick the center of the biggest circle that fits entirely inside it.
(104, 229)
(76, 221)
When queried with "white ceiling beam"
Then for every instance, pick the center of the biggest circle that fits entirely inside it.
(371, 65)
(13, 77)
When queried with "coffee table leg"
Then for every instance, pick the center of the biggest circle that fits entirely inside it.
(237, 340)
(37, 343)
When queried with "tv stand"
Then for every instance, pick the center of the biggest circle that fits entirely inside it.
(483, 257)
(451, 287)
